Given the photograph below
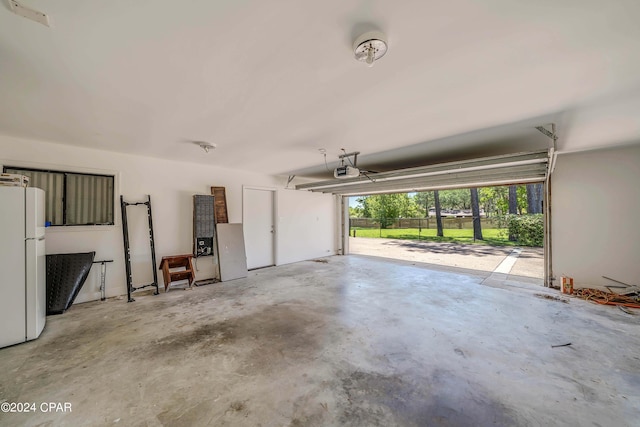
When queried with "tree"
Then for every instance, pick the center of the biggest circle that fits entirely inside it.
(436, 198)
(388, 207)
(534, 198)
(513, 199)
(495, 200)
(475, 209)
(513, 206)
(455, 199)
(521, 195)
(355, 212)
(408, 206)
(423, 203)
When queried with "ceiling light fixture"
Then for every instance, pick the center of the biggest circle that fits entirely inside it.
(206, 146)
(370, 47)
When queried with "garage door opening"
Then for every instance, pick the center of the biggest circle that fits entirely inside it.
(517, 169)
(493, 229)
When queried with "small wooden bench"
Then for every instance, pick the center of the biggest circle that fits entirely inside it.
(177, 267)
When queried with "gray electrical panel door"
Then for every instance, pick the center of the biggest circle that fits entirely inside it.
(203, 225)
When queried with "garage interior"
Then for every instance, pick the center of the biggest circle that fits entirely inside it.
(262, 99)
(353, 341)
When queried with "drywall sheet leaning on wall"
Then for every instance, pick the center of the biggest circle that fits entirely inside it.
(233, 258)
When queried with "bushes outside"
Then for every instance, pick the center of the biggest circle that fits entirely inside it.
(527, 229)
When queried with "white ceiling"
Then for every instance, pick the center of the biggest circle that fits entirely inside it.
(271, 82)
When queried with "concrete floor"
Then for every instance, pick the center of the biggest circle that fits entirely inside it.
(529, 263)
(354, 341)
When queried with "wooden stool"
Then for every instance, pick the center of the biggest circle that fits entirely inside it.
(185, 272)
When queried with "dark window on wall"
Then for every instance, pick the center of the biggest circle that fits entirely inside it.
(73, 198)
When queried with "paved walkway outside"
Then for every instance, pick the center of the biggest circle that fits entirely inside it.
(529, 263)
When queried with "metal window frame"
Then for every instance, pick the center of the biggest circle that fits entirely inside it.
(64, 192)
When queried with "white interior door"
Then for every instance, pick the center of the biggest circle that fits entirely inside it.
(259, 227)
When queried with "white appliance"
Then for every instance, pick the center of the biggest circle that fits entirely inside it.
(346, 172)
(22, 265)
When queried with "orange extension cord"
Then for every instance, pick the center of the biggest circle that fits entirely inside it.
(606, 298)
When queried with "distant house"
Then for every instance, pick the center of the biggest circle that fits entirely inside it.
(454, 213)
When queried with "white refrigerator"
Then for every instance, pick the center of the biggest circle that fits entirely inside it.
(22, 265)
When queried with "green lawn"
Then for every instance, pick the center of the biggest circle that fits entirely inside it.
(492, 236)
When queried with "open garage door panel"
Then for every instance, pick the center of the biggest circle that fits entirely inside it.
(520, 168)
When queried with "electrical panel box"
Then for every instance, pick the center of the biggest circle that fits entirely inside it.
(203, 225)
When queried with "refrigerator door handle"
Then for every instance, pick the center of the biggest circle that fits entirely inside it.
(36, 287)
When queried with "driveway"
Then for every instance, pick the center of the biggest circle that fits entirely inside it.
(529, 262)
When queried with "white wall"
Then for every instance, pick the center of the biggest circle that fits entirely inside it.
(171, 186)
(596, 216)
(304, 221)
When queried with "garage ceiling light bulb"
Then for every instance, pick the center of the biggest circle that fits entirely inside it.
(371, 56)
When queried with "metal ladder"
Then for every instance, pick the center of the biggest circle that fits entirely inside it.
(127, 249)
